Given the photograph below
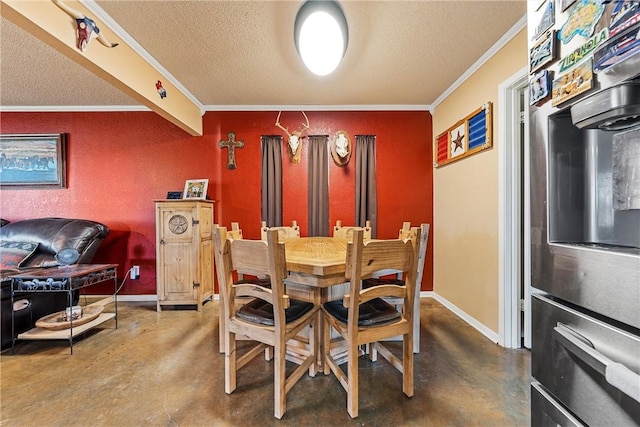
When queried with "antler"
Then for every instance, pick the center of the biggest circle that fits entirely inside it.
(295, 137)
(305, 126)
(286, 130)
(299, 132)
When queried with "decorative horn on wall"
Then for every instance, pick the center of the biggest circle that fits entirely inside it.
(295, 138)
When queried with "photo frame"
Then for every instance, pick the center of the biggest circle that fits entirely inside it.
(33, 161)
(171, 195)
(578, 80)
(539, 87)
(543, 52)
(195, 189)
(341, 148)
(547, 19)
(468, 136)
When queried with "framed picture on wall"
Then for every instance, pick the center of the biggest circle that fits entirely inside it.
(195, 189)
(33, 161)
(539, 87)
(468, 136)
(543, 52)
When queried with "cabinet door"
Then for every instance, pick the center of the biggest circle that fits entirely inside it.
(177, 256)
(205, 220)
(178, 272)
(206, 266)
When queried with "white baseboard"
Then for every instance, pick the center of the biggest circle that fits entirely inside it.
(423, 294)
(136, 298)
(464, 316)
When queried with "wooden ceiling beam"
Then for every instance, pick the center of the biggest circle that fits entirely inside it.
(122, 66)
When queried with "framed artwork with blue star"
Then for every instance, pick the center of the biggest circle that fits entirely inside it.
(468, 136)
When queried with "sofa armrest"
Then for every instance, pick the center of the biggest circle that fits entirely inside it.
(55, 234)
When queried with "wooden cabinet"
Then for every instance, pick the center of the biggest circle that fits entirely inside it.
(184, 252)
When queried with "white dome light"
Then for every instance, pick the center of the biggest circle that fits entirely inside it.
(321, 36)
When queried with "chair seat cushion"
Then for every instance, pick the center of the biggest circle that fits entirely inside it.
(373, 281)
(261, 312)
(265, 283)
(372, 313)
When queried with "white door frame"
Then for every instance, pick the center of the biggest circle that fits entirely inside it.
(509, 220)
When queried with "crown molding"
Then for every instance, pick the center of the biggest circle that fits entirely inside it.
(71, 108)
(506, 38)
(389, 107)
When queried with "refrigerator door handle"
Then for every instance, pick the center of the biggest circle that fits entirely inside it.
(616, 374)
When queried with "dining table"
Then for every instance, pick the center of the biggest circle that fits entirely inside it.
(316, 273)
(316, 265)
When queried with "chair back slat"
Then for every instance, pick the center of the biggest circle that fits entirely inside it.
(235, 233)
(346, 232)
(284, 232)
(380, 255)
(250, 256)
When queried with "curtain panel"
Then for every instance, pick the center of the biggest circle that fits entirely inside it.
(271, 180)
(318, 185)
(366, 194)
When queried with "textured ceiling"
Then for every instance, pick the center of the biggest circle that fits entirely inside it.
(241, 53)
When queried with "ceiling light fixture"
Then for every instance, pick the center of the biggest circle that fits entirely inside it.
(321, 35)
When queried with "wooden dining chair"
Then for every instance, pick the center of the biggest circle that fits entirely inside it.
(235, 233)
(406, 232)
(284, 232)
(271, 317)
(346, 232)
(363, 317)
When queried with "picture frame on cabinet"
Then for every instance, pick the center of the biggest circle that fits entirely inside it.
(33, 161)
(195, 189)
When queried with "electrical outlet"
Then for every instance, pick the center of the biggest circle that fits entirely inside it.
(135, 272)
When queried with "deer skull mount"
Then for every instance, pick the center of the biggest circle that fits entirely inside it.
(295, 137)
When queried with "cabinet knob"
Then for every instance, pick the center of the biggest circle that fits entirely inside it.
(162, 241)
(196, 284)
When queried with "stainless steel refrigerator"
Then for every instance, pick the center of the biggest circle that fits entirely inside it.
(585, 212)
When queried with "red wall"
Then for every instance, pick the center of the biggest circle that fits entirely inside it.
(118, 163)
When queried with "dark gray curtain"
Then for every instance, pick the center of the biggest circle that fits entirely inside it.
(271, 180)
(318, 185)
(366, 194)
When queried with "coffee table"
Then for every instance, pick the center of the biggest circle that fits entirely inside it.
(69, 279)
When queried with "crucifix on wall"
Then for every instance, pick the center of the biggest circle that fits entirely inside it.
(231, 144)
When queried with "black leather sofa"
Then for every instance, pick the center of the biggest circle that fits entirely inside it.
(51, 236)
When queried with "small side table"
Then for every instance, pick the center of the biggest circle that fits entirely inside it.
(67, 279)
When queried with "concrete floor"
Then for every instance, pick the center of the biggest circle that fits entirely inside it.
(164, 369)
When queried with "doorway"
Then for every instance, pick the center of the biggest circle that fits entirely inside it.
(514, 284)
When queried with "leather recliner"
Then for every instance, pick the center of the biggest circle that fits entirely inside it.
(52, 235)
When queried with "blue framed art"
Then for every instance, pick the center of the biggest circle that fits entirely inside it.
(33, 161)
